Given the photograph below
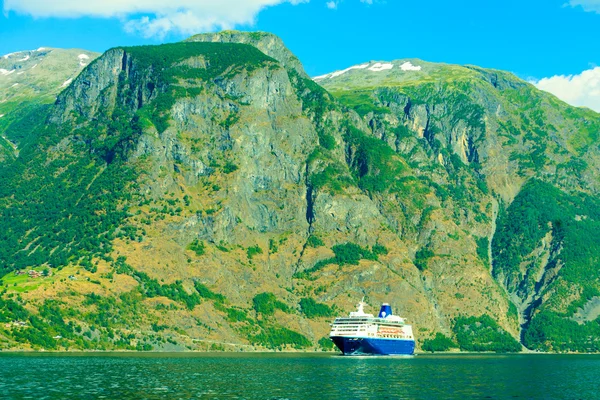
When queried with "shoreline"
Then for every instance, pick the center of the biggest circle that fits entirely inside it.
(266, 352)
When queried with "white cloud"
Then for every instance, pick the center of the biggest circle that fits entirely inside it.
(578, 90)
(153, 17)
(587, 5)
(333, 4)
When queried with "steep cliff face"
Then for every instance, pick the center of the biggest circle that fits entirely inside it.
(208, 193)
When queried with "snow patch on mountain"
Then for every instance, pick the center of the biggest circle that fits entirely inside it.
(373, 67)
(338, 73)
(6, 56)
(408, 66)
(378, 67)
(67, 82)
(24, 58)
(6, 72)
(82, 58)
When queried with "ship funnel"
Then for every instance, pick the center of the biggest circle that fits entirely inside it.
(385, 311)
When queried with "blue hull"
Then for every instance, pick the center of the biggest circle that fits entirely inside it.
(374, 346)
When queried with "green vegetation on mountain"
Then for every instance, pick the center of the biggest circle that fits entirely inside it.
(421, 258)
(326, 344)
(554, 233)
(54, 326)
(312, 309)
(345, 254)
(197, 246)
(374, 164)
(253, 251)
(314, 241)
(267, 303)
(553, 331)
(483, 334)
(206, 293)
(80, 207)
(439, 343)
(278, 338)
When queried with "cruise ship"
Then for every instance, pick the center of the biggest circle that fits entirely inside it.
(364, 334)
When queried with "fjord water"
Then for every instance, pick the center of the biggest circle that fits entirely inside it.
(297, 376)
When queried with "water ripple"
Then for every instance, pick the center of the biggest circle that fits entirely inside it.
(293, 376)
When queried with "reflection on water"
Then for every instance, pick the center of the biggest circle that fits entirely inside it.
(296, 376)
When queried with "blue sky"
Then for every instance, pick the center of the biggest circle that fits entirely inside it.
(535, 39)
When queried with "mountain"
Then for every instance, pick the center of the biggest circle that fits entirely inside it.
(208, 194)
(536, 159)
(30, 80)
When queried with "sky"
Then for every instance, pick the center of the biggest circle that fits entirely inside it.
(552, 43)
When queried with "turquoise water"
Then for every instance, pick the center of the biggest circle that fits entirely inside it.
(297, 376)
